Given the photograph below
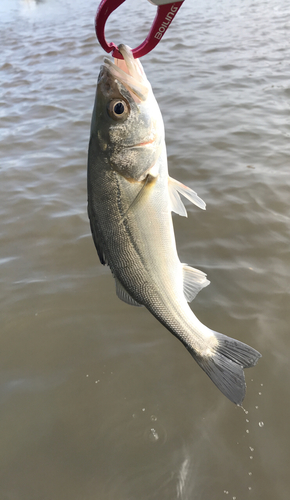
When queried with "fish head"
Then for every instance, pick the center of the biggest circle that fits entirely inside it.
(127, 121)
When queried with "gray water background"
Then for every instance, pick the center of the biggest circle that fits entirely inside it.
(98, 400)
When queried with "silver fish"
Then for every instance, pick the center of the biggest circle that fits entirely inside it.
(130, 200)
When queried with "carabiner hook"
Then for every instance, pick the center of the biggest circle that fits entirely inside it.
(164, 17)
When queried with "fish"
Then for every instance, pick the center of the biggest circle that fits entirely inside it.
(131, 198)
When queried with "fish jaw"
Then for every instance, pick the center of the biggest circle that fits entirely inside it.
(131, 73)
(132, 144)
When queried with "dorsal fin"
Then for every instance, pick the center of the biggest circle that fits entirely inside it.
(124, 296)
(193, 281)
(97, 240)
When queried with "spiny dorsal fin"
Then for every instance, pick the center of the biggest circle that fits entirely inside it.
(193, 281)
(175, 187)
(97, 241)
(123, 295)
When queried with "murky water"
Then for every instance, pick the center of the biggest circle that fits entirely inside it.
(98, 400)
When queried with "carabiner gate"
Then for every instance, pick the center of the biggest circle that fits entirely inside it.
(164, 17)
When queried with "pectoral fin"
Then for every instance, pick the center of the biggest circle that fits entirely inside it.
(193, 281)
(175, 188)
(175, 200)
(140, 195)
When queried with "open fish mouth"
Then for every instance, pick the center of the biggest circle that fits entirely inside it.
(130, 73)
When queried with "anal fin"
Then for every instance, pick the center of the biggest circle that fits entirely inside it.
(193, 281)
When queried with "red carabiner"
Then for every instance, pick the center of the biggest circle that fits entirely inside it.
(164, 17)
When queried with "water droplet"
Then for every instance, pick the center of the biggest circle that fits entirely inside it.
(234, 498)
(250, 487)
(226, 492)
(247, 431)
(134, 415)
(260, 394)
(153, 418)
(262, 385)
(261, 424)
(250, 473)
(97, 381)
(87, 375)
(256, 407)
(143, 409)
(247, 420)
(251, 458)
(153, 435)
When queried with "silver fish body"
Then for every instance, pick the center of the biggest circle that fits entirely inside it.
(130, 200)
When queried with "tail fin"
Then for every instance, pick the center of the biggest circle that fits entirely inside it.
(225, 366)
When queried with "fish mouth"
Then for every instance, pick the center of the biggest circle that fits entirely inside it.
(145, 143)
(130, 73)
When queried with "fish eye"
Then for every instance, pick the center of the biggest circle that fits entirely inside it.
(118, 109)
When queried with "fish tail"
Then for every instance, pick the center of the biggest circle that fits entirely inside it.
(225, 365)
